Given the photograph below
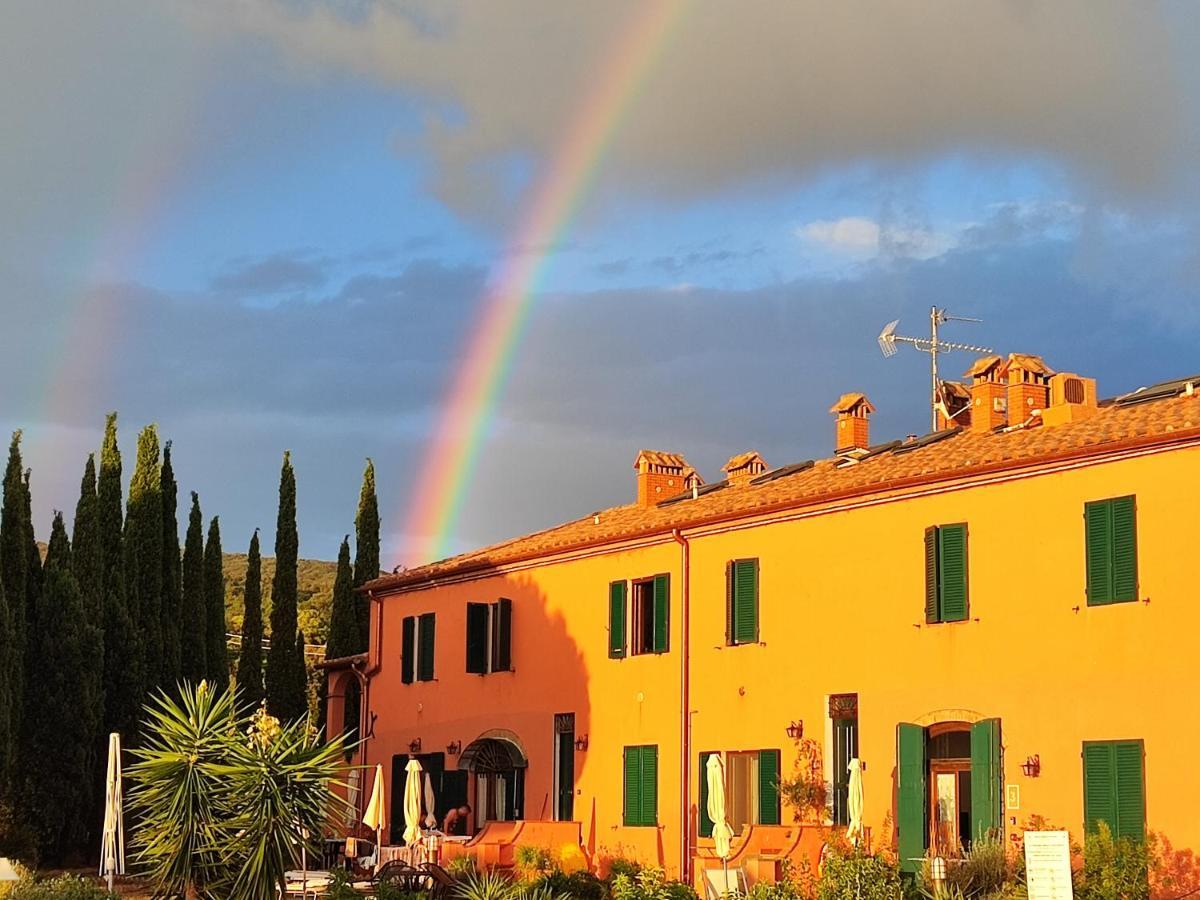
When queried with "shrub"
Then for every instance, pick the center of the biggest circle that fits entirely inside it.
(1117, 867)
(620, 866)
(487, 886)
(64, 887)
(649, 884)
(858, 875)
(795, 883)
(983, 870)
(579, 885)
(461, 867)
(534, 863)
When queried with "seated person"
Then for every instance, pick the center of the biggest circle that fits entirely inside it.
(456, 820)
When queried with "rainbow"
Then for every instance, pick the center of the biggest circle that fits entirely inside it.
(467, 412)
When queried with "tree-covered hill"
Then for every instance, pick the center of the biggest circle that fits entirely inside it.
(314, 580)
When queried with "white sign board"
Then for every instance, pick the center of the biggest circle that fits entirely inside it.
(1048, 865)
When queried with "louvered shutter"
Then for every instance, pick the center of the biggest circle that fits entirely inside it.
(931, 575)
(745, 601)
(477, 636)
(616, 619)
(650, 785)
(633, 786)
(911, 799)
(952, 572)
(985, 779)
(1097, 518)
(502, 657)
(1131, 797)
(1099, 786)
(408, 643)
(425, 633)
(705, 823)
(1124, 549)
(729, 603)
(768, 787)
(662, 613)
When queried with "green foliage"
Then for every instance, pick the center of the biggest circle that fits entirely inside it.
(286, 677)
(580, 885)
(144, 534)
(496, 886)
(366, 548)
(983, 871)
(171, 599)
(249, 672)
(344, 634)
(12, 593)
(795, 883)
(216, 656)
(805, 792)
(225, 800)
(461, 867)
(63, 887)
(193, 655)
(1115, 867)
(649, 883)
(849, 873)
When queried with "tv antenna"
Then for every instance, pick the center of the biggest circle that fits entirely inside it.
(933, 345)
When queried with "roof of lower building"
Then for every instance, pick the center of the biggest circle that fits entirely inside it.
(1164, 413)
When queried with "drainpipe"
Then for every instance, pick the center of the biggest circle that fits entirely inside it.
(685, 717)
(374, 636)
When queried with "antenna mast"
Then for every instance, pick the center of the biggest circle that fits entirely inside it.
(933, 345)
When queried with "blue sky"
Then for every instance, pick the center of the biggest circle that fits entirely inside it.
(269, 225)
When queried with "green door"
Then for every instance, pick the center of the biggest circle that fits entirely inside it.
(912, 802)
(986, 778)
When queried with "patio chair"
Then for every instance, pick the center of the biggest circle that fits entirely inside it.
(721, 883)
(441, 882)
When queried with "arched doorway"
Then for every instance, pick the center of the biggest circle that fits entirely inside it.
(497, 764)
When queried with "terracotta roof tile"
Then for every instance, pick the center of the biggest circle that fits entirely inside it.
(957, 455)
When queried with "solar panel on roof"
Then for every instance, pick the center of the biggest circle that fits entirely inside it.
(1158, 391)
(932, 438)
(783, 472)
(687, 495)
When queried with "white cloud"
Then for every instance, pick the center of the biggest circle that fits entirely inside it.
(851, 233)
(860, 236)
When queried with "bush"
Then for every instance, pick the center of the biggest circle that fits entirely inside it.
(461, 867)
(579, 885)
(64, 887)
(795, 883)
(534, 863)
(649, 884)
(1115, 867)
(855, 875)
(983, 871)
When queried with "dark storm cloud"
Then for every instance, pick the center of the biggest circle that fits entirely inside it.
(275, 274)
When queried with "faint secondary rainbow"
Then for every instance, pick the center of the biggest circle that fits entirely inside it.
(450, 458)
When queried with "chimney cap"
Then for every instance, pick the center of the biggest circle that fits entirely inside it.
(659, 458)
(953, 389)
(751, 459)
(1028, 362)
(982, 366)
(848, 403)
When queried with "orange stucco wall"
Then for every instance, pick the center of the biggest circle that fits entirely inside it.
(841, 610)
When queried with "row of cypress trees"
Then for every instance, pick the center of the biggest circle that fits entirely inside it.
(118, 611)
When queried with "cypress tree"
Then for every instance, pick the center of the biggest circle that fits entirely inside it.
(122, 680)
(250, 670)
(14, 561)
(193, 630)
(216, 655)
(285, 676)
(344, 635)
(144, 532)
(170, 574)
(62, 736)
(300, 673)
(366, 551)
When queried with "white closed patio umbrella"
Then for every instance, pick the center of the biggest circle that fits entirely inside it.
(373, 817)
(722, 833)
(112, 842)
(854, 801)
(430, 803)
(412, 802)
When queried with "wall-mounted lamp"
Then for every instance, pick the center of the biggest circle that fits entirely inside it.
(414, 746)
(1032, 767)
(581, 743)
(454, 748)
(796, 730)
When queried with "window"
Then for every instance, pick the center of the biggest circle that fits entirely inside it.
(416, 653)
(616, 620)
(641, 785)
(946, 573)
(1114, 787)
(651, 615)
(751, 789)
(741, 602)
(489, 637)
(1110, 528)
(843, 720)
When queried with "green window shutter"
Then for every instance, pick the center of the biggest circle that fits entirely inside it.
(1124, 549)
(729, 603)
(477, 636)
(425, 630)
(768, 787)
(650, 785)
(911, 798)
(1131, 790)
(931, 575)
(985, 779)
(502, 657)
(1098, 531)
(633, 786)
(616, 619)
(408, 632)
(705, 823)
(662, 613)
(745, 601)
(1099, 786)
(952, 572)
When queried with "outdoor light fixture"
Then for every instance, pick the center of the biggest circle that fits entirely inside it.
(796, 730)
(581, 743)
(415, 747)
(453, 748)
(1032, 767)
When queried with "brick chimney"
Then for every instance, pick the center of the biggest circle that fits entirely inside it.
(1028, 379)
(660, 475)
(989, 399)
(743, 467)
(954, 406)
(1072, 398)
(853, 429)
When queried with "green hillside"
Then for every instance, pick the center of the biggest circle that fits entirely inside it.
(314, 579)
